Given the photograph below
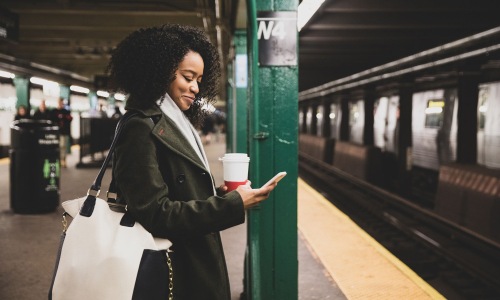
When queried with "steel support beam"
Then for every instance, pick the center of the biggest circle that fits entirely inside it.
(271, 259)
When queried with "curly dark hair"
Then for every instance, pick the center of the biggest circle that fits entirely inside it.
(143, 65)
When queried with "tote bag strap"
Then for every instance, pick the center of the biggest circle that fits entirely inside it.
(111, 195)
(88, 206)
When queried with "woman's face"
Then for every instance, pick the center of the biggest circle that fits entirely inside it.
(187, 79)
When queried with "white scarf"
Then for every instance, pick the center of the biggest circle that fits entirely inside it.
(172, 111)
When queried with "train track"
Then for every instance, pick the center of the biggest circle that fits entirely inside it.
(455, 261)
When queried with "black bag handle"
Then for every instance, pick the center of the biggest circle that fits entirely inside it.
(88, 206)
(112, 196)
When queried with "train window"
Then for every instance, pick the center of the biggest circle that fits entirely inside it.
(392, 128)
(488, 135)
(319, 120)
(434, 113)
(483, 106)
(434, 132)
(380, 122)
(334, 117)
(301, 120)
(309, 119)
(356, 121)
(385, 123)
(353, 113)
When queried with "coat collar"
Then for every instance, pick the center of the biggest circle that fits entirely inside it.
(167, 132)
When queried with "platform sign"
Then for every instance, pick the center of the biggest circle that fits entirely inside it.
(277, 36)
(241, 70)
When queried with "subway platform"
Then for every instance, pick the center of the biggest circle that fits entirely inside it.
(337, 260)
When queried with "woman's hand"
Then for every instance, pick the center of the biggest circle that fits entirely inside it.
(221, 190)
(252, 197)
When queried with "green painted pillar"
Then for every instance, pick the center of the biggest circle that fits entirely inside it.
(22, 92)
(92, 100)
(239, 110)
(229, 109)
(271, 261)
(111, 102)
(64, 93)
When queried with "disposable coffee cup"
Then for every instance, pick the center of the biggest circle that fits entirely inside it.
(235, 168)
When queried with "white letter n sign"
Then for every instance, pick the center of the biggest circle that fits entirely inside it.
(277, 36)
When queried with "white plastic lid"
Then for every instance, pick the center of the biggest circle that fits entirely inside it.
(243, 157)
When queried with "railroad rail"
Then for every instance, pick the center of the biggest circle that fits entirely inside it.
(457, 262)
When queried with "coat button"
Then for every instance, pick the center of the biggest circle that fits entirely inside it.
(181, 178)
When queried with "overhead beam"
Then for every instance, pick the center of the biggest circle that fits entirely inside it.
(415, 6)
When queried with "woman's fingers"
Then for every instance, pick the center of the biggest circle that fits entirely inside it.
(252, 197)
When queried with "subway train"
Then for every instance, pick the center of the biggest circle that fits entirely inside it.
(433, 139)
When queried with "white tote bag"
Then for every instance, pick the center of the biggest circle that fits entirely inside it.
(106, 255)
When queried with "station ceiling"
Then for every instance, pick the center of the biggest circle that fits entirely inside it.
(349, 36)
(344, 36)
(78, 36)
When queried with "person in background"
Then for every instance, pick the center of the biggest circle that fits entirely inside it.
(220, 123)
(207, 128)
(42, 113)
(62, 118)
(101, 113)
(117, 114)
(22, 113)
(160, 168)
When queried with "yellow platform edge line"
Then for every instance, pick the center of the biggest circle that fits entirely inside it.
(428, 289)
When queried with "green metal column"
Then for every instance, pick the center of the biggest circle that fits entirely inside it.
(271, 262)
(22, 92)
(111, 102)
(238, 111)
(230, 103)
(64, 93)
(92, 100)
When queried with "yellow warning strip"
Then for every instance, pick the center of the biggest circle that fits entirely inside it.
(362, 268)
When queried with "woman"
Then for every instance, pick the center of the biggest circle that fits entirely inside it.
(160, 168)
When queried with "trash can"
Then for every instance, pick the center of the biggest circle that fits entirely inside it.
(34, 166)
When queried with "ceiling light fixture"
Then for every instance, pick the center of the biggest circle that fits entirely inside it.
(306, 10)
(103, 94)
(6, 74)
(79, 89)
(42, 81)
(120, 97)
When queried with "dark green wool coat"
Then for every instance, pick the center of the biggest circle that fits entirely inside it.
(169, 191)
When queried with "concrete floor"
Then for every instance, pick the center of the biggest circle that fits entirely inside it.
(29, 242)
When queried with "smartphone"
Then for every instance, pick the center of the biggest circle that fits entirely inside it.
(276, 178)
